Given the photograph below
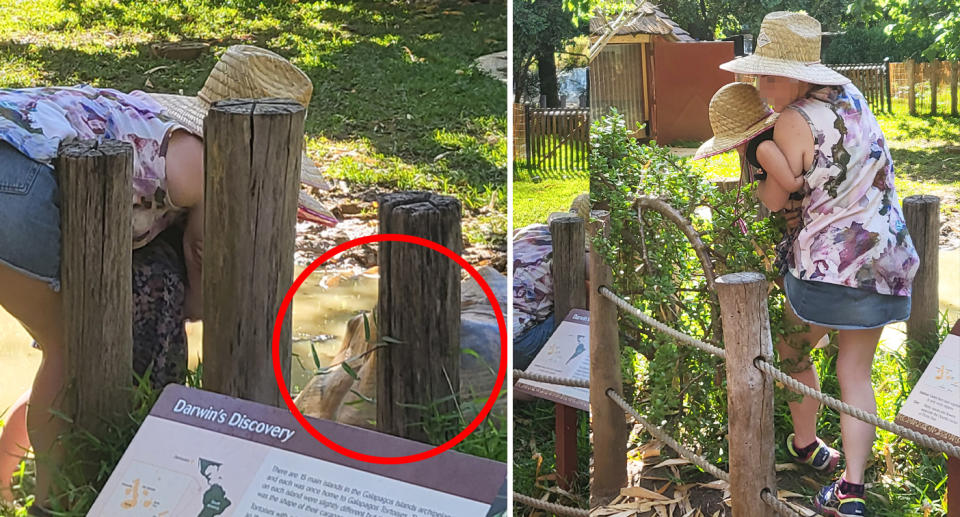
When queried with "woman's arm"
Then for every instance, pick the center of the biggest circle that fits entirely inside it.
(184, 162)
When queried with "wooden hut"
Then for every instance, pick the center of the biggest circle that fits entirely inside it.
(654, 73)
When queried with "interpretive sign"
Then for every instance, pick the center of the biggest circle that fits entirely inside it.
(933, 407)
(566, 354)
(206, 455)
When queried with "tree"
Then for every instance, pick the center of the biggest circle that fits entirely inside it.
(937, 21)
(540, 29)
(711, 19)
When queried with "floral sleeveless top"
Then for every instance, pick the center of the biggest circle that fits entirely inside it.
(36, 120)
(853, 231)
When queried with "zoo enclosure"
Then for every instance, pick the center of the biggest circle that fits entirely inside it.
(748, 354)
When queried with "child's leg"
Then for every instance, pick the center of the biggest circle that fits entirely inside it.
(854, 364)
(794, 352)
(39, 309)
(13, 443)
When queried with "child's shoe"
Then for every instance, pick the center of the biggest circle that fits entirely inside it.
(818, 455)
(841, 499)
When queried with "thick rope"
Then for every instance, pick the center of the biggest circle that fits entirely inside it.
(781, 507)
(557, 509)
(550, 379)
(837, 405)
(679, 336)
(658, 433)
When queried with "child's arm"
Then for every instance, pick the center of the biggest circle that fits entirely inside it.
(776, 165)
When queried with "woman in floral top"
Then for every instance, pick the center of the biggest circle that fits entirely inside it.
(852, 261)
(167, 188)
(167, 198)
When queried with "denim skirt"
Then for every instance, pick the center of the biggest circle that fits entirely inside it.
(841, 307)
(29, 217)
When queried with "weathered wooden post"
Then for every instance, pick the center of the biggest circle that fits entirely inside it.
(569, 292)
(934, 66)
(911, 86)
(96, 213)
(922, 215)
(607, 418)
(954, 68)
(886, 73)
(419, 306)
(746, 337)
(252, 151)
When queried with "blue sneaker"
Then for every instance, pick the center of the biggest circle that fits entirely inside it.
(830, 502)
(823, 457)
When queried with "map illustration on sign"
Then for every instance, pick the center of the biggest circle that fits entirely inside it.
(208, 455)
(566, 354)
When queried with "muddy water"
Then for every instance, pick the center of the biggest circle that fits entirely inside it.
(321, 309)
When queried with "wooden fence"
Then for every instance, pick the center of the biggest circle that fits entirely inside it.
(925, 87)
(252, 153)
(552, 139)
(873, 81)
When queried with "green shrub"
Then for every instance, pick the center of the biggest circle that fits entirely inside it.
(872, 45)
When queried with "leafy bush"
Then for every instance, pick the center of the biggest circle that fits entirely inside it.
(656, 268)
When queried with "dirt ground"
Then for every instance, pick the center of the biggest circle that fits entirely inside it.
(357, 212)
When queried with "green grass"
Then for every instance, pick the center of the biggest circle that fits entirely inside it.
(396, 101)
(533, 202)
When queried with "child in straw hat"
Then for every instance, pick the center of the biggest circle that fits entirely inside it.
(852, 262)
(167, 190)
(741, 120)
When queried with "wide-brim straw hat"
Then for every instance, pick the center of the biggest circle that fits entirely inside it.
(248, 72)
(736, 115)
(788, 46)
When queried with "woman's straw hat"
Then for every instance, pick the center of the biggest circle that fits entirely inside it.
(248, 72)
(736, 115)
(788, 46)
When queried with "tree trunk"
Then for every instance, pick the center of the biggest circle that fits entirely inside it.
(547, 70)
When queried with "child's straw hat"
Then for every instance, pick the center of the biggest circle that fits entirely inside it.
(736, 115)
(248, 72)
(788, 46)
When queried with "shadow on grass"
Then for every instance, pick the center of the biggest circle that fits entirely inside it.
(395, 75)
(927, 164)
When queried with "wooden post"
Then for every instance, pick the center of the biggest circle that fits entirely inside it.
(934, 82)
(911, 86)
(252, 151)
(746, 337)
(889, 93)
(607, 419)
(419, 305)
(97, 256)
(954, 69)
(922, 214)
(569, 292)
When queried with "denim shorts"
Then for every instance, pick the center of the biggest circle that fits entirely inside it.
(29, 217)
(841, 307)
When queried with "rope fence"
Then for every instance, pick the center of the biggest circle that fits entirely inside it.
(842, 407)
(679, 336)
(658, 433)
(557, 509)
(551, 379)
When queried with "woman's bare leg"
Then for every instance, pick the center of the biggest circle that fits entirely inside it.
(13, 443)
(854, 365)
(794, 352)
(40, 309)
